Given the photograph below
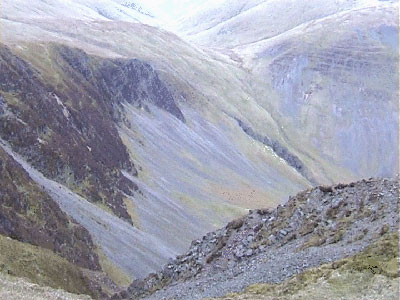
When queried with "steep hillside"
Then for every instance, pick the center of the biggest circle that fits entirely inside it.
(37, 240)
(211, 84)
(338, 94)
(96, 128)
(99, 115)
(315, 227)
(71, 140)
(29, 215)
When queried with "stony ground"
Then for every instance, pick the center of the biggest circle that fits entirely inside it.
(371, 274)
(20, 289)
(317, 226)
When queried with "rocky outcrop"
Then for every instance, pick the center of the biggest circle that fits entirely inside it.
(337, 221)
(116, 81)
(136, 7)
(280, 150)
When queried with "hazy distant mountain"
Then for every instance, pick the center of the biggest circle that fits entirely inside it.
(89, 10)
(324, 61)
(227, 23)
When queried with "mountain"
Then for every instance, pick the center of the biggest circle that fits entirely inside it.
(229, 24)
(143, 126)
(88, 10)
(329, 91)
(71, 148)
(98, 138)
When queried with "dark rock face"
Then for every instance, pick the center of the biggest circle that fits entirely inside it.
(138, 8)
(29, 215)
(333, 218)
(68, 130)
(122, 80)
(279, 149)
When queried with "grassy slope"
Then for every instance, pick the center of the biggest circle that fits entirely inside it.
(118, 276)
(41, 266)
(28, 214)
(47, 247)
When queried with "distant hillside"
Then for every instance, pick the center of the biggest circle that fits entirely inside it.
(321, 64)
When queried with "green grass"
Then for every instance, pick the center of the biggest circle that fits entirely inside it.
(41, 266)
(118, 276)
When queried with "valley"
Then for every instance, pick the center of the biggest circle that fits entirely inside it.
(128, 129)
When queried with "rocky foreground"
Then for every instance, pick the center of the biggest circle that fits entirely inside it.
(370, 274)
(319, 226)
(21, 289)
